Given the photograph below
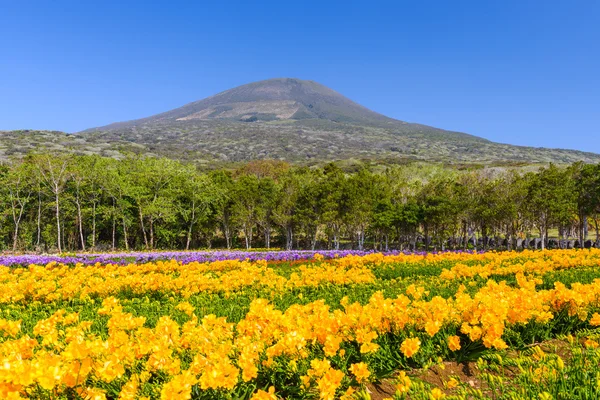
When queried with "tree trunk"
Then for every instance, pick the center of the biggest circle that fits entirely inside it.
(151, 233)
(125, 234)
(94, 225)
(39, 221)
(249, 236)
(189, 233)
(543, 235)
(114, 232)
(17, 221)
(361, 240)
(336, 237)
(80, 220)
(268, 236)
(142, 226)
(189, 236)
(580, 232)
(227, 234)
(16, 236)
(59, 236)
(289, 238)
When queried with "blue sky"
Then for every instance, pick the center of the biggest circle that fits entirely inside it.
(520, 72)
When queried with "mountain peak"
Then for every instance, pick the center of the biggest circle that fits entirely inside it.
(269, 100)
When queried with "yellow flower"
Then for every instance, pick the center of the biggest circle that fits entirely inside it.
(452, 383)
(186, 308)
(403, 383)
(454, 343)
(436, 394)
(329, 383)
(262, 395)
(369, 347)
(410, 346)
(94, 394)
(595, 320)
(360, 371)
(180, 387)
(349, 394)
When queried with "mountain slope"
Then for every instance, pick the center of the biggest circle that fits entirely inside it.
(273, 99)
(287, 119)
(282, 99)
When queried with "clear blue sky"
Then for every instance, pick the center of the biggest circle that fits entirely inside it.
(520, 72)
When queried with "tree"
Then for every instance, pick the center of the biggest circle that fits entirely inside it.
(550, 199)
(440, 212)
(358, 202)
(284, 213)
(331, 191)
(151, 190)
(195, 198)
(267, 196)
(306, 208)
(17, 182)
(223, 203)
(586, 179)
(245, 205)
(53, 170)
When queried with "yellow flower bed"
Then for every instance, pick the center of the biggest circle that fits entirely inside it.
(64, 355)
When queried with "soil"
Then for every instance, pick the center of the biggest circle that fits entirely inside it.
(465, 372)
(436, 376)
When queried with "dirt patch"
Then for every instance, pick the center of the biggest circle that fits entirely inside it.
(465, 372)
(561, 348)
(382, 390)
(436, 376)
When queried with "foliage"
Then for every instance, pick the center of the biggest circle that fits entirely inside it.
(51, 203)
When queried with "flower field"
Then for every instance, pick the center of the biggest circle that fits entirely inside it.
(184, 257)
(329, 326)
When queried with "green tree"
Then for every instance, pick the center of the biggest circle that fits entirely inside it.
(18, 185)
(550, 199)
(53, 172)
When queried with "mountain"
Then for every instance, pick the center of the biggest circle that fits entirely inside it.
(283, 99)
(270, 100)
(289, 119)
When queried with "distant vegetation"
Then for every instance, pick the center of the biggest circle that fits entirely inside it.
(220, 144)
(51, 203)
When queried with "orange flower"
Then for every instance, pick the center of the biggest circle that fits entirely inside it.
(262, 395)
(454, 343)
(410, 346)
(452, 383)
(436, 394)
(403, 383)
(360, 371)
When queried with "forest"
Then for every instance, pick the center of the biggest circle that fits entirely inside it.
(53, 203)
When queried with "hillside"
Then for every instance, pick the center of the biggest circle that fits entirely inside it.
(289, 119)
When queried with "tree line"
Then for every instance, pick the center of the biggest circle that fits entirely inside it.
(79, 203)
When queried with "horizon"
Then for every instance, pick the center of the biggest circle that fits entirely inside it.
(508, 73)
